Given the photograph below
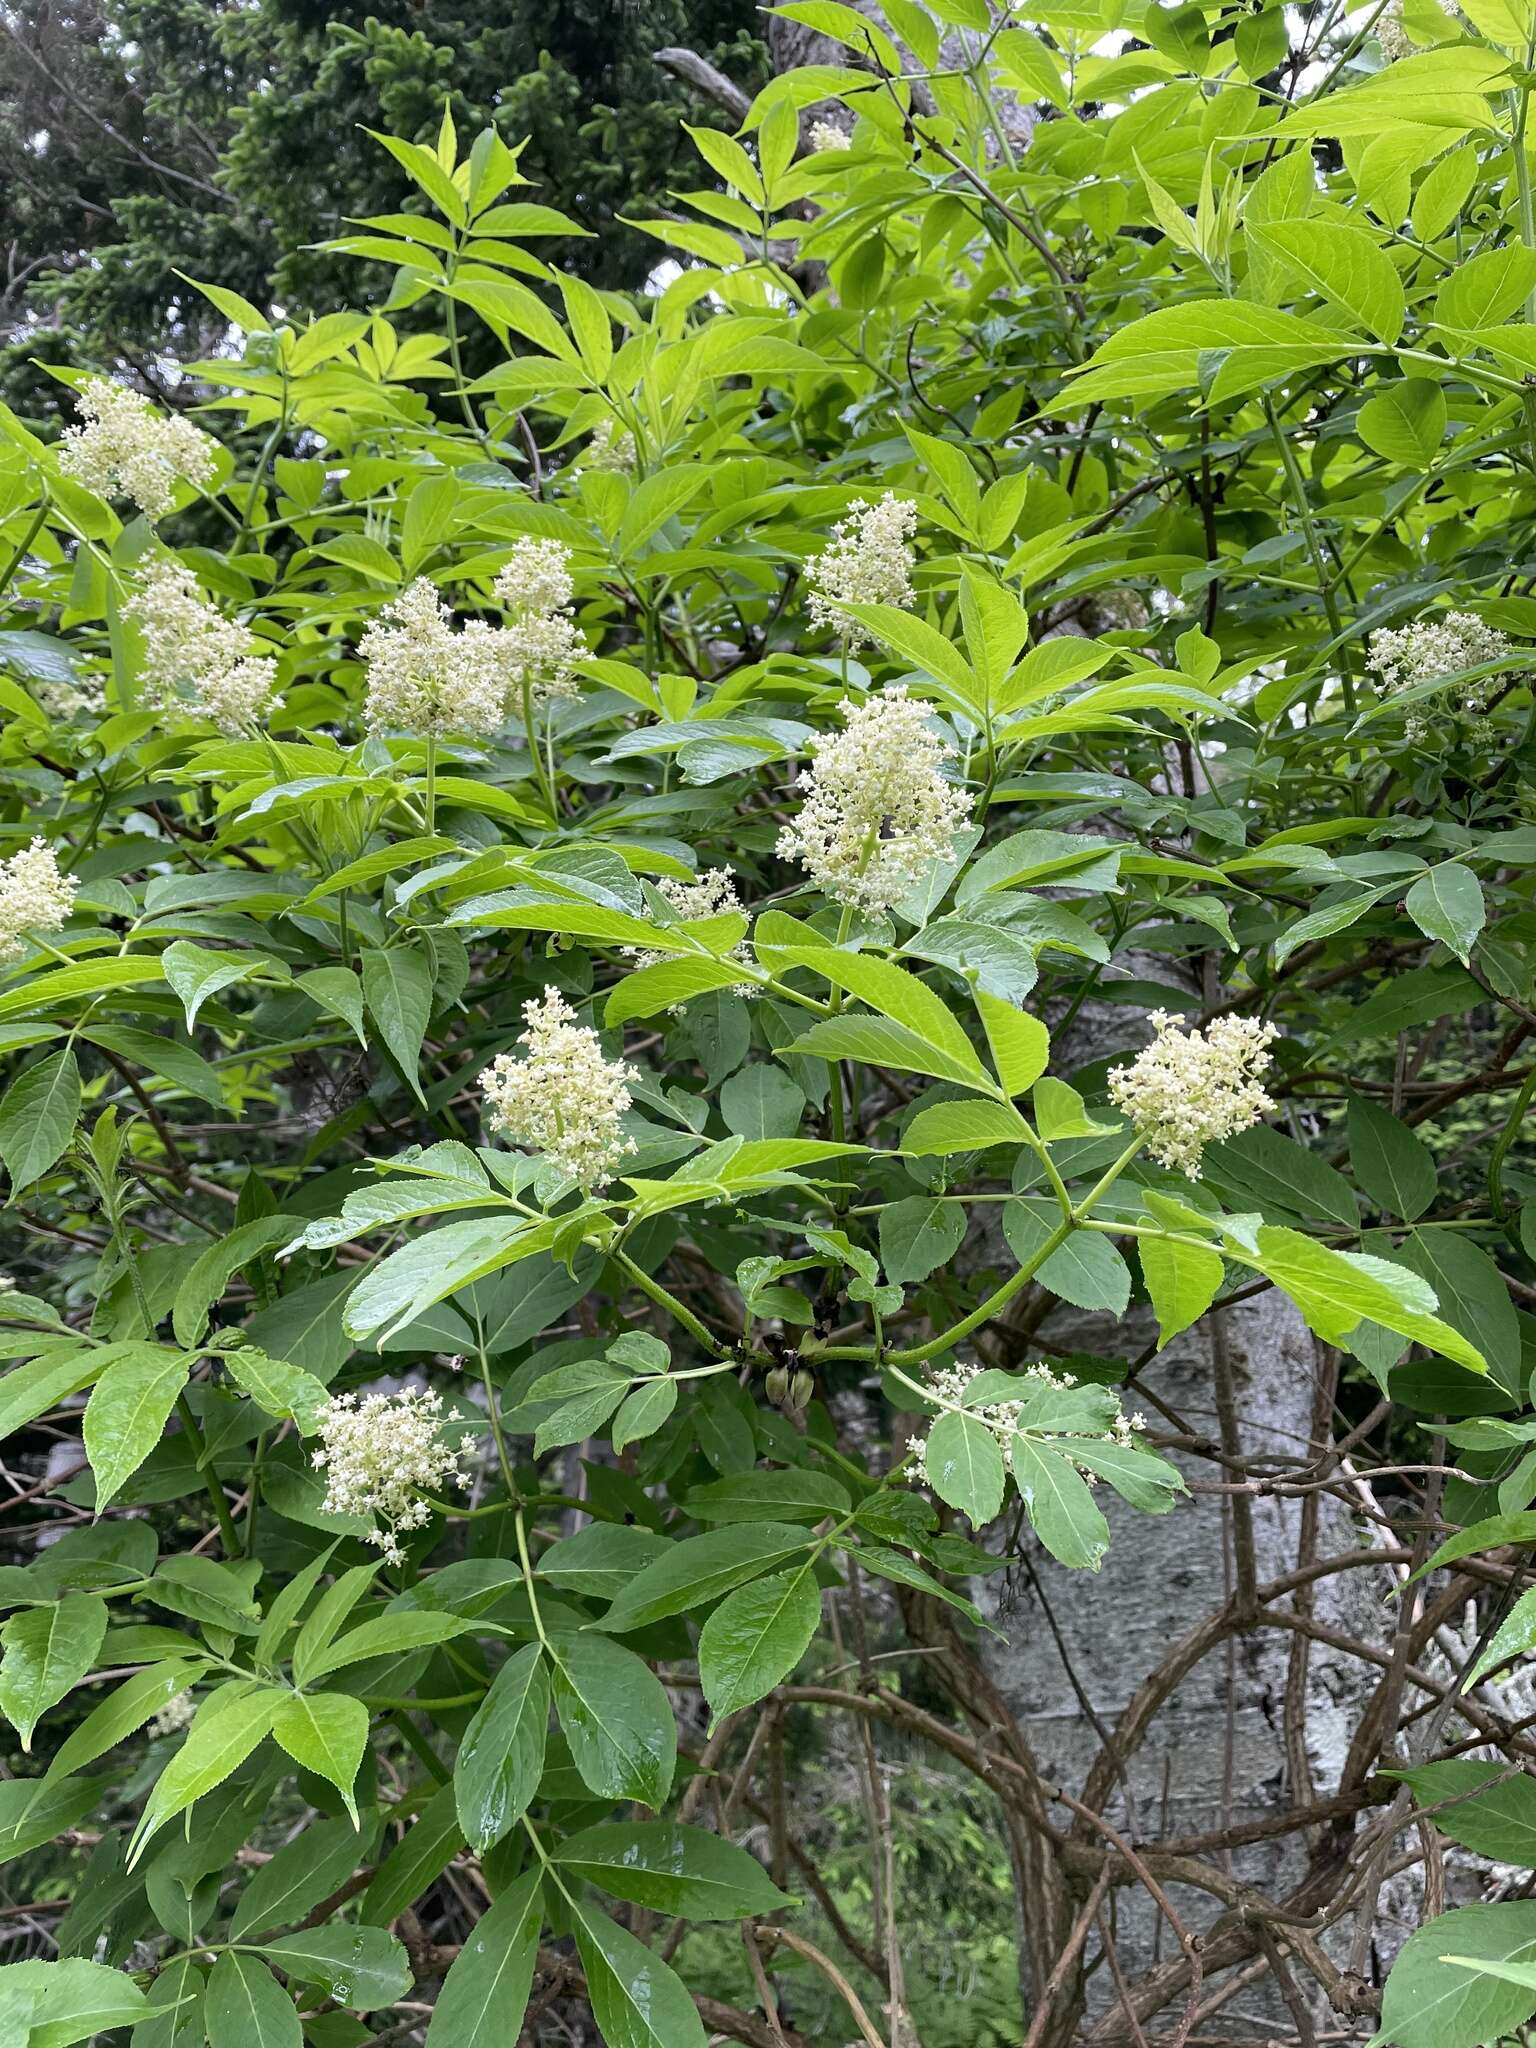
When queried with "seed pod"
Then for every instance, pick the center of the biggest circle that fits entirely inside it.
(778, 1385)
(801, 1388)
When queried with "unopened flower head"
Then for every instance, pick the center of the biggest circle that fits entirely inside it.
(34, 896)
(1440, 644)
(541, 644)
(827, 135)
(877, 811)
(565, 1100)
(426, 679)
(123, 447)
(1189, 1089)
(380, 1453)
(1102, 1420)
(196, 660)
(867, 561)
(611, 448)
(710, 894)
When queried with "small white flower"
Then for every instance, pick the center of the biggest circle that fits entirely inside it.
(379, 1453)
(1391, 37)
(827, 135)
(565, 1099)
(34, 896)
(1189, 1089)
(867, 561)
(426, 679)
(124, 448)
(877, 810)
(1438, 645)
(196, 660)
(542, 642)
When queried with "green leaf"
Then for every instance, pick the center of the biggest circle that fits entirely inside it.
(1344, 265)
(616, 1718)
(47, 1650)
(76, 2000)
(1472, 1298)
(326, 1733)
(229, 1725)
(1405, 421)
(671, 1868)
(1182, 1280)
(1430, 2003)
(364, 1968)
(900, 996)
(756, 1637)
(284, 1390)
(1086, 1270)
(965, 1465)
(38, 1117)
(501, 1756)
(397, 987)
(1447, 904)
(701, 1568)
(1395, 1168)
(126, 1415)
(1020, 1044)
(1265, 1169)
(195, 973)
(245, 2006)
(123, 1711)
(1056, 1498)
(1336, 1293)
(637, 2000)
(1060, 1112)
(918, 1235)
(643, 1413)
(30, 1816)
(417, 1860)
(485, 1993)
(1489, 1817)
(387, 1635)
(299, 1876)
(768, 1497)
(213, 1269)
(968, 1126)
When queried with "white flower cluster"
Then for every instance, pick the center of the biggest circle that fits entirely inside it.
(175, 1715)
(1391, 37)
(948, 1388)
(867, 561)
(565, 1100)
(1439, 645)
(543, 642)
(827, 135)
(611, 448)
(196, 660)
(710, 894)
(877, 810)
(379, 1452)
(124, 448)
(1188, 1089)
(34, 896)
(426, 679)
(62, 700)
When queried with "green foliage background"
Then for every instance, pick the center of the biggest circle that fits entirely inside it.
(1224, 371)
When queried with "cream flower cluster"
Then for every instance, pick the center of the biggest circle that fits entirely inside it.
(379, 1452)
(827, 135)
(710, 894)
(565, 1099)
(542, 644)
(34, 896)
(867, 561)
(1002, 1418)
(175, 1715)
(1188, 1089)
(426, 679)
(62, 700)
(1391, 37)
(611, 448)
(1439, 645)
(877, 810)
(195, 659)
(124, 448)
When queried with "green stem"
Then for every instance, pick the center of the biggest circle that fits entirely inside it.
(226, 1521)
(670, 1303)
